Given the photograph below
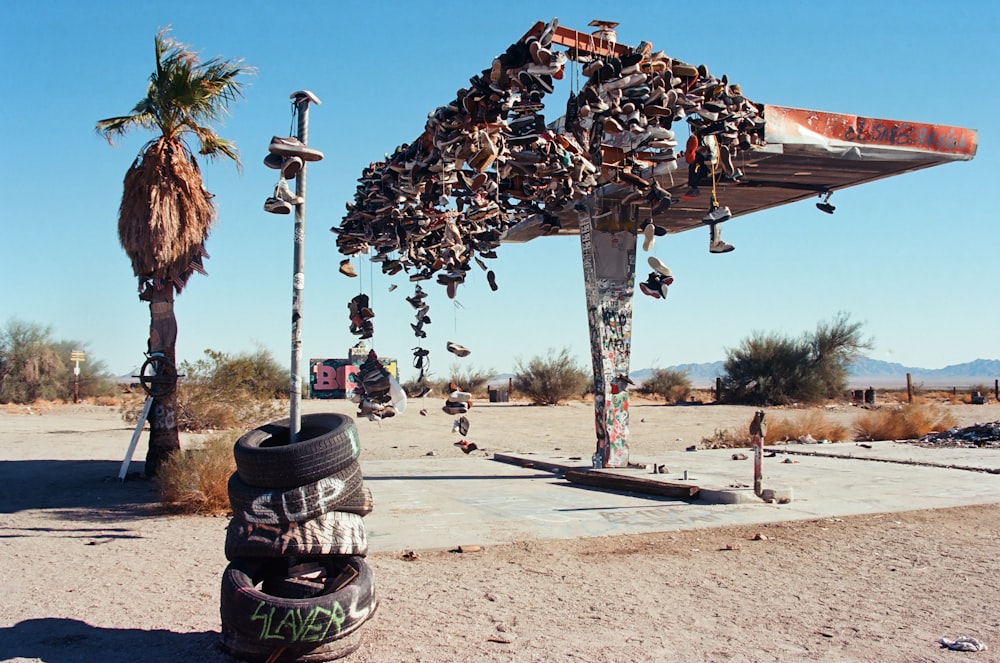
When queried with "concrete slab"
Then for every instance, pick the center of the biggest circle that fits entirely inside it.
(439, 504)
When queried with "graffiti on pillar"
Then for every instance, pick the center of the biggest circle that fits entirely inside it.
(608, 245)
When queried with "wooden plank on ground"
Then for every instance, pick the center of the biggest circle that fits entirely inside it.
(534, 463)
(617, 481)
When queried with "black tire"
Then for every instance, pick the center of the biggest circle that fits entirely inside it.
(326, 444)
(289, 505)
(334, 533)
(307, 577)
(240, 647)
(280, 622)
(361, 502)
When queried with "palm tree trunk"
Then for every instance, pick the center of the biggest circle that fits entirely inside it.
(163, 436)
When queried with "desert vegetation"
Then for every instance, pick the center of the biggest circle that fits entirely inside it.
(551, 379)
(36, 366)
(671, 385)
(772, 369)
(195, 480)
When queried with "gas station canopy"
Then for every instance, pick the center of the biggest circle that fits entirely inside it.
(807, 154)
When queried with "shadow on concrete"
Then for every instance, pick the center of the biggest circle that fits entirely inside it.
(55, 640)
(90, 485)
(456, 477)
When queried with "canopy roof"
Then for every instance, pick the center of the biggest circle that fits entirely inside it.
(807, 154)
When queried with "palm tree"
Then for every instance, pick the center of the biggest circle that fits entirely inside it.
(166, 214)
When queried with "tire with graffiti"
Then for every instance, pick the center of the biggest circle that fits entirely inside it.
(327, 443)
(334, 533)
(333, 613)
(290, 505)
(253, 651)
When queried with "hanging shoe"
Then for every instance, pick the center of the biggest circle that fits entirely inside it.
(649, 235)
(717, 215)
(277, 206)
(282, 192)
(293, 147)
(463, 426)
(718, 246)
(346, 268)
(660, 267)
(653, 292)
(457, 349)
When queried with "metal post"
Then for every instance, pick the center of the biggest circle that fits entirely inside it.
(909, 388)
(301, 100)
(76, 356)
(758, 429)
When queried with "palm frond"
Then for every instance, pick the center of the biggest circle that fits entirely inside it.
(183, 95)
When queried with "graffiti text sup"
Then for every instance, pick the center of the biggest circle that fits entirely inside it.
(277, 506)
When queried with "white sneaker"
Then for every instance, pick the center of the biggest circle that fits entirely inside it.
(658, 266)
(717, 215)
(718, 246)
(649, 233)
(277, 206)
(282, 192)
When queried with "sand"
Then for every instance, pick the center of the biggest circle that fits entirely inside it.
(93, 572)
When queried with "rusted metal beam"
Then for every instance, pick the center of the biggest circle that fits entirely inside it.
(583, 42)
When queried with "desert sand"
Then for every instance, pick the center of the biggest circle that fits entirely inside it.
(93, 571)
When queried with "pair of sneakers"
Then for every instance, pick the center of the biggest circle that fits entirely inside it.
(656, 283)
(716, 215)
(283, 201)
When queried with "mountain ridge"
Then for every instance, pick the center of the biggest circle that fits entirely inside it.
(863, 371)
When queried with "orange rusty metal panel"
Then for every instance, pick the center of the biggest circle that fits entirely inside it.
(788, 123)
(582, 41)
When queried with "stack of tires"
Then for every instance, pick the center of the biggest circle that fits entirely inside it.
(297, 587)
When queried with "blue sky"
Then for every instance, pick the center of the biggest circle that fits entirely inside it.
(913, 258)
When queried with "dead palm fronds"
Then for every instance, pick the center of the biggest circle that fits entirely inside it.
(166, 214)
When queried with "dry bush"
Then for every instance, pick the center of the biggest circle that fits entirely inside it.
(195, 480)
(107, 401)
(723, 439)
(551, 379)
(810, 422)
(904, 423)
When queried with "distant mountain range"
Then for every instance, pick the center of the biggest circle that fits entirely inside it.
(866, 372)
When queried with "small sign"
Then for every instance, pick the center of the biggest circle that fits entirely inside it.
(77, 355)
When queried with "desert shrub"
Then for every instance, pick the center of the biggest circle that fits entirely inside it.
(671, 385)
(907, 422)
(415, 386)
(812, 423)
(470, 379)
(224, 391)
(722, 438)
(550, 379)
(769, 369)
(195, 480)
(252, 374)
(34, 366)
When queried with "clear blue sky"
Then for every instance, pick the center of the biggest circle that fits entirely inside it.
(914, 258)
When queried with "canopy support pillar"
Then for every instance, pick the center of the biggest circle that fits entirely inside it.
(608, 247)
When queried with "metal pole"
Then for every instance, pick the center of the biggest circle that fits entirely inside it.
(301, 100)
(758, 429)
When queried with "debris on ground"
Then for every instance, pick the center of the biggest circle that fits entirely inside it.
(978, 435)
(964, 643)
